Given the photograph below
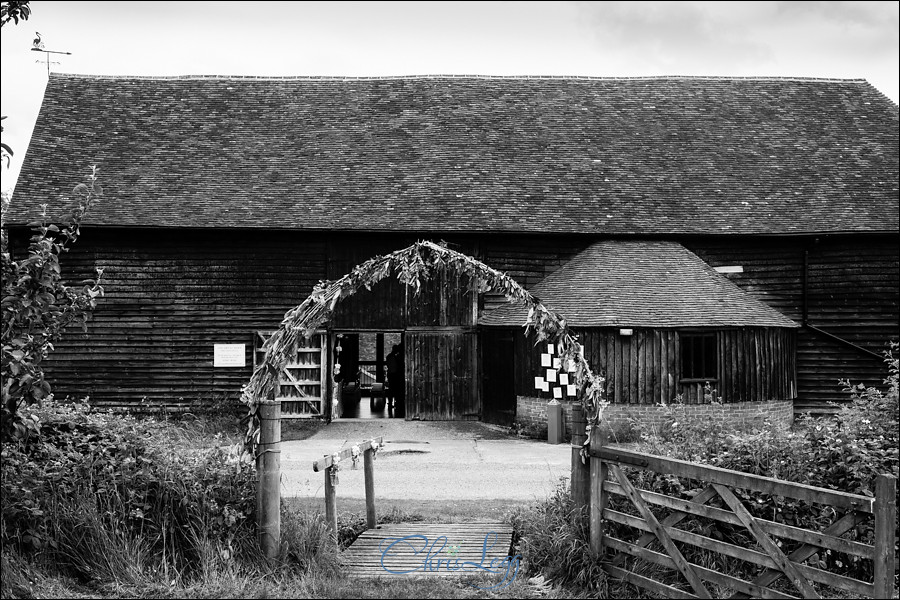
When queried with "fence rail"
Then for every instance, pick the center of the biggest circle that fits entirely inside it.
(772, 549)
(329, 465)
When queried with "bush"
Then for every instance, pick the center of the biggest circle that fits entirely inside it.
(92, 495)
(861, 441)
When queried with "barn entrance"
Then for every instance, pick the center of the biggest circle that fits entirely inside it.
(370, 362)
(436, 323)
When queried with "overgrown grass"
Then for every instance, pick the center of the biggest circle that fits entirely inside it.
(99, 505)
(553, 538)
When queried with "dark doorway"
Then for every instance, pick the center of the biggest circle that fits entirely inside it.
(498, 375)
(363, 386)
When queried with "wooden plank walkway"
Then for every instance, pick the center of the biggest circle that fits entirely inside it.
(433, 550)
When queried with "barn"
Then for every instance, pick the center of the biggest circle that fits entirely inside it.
(752, 221)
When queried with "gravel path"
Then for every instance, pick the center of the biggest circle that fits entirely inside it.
(429, 461)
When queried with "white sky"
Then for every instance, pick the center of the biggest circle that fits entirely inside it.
(805, 39)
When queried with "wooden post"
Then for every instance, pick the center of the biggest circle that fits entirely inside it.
(331, 506)
(885, 528)
(268, 468)
(581, 471)
(369, 473)
(599, 471)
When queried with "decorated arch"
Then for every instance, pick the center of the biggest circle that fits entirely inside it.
(412, 266)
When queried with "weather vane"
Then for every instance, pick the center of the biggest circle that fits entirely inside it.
(38, 46)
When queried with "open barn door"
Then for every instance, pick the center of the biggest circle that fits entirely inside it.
(303, 382)
(441, 367)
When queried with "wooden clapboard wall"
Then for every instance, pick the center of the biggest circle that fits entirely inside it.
(171, 294)
(391, 305)
(527, 260)
(645, 367)
(382, 307)
(852, 291)
(169, 297)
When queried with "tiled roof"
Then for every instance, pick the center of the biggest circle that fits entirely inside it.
(656, 284)
(659, 155)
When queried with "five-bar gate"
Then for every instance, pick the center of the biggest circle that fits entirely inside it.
(665, 532)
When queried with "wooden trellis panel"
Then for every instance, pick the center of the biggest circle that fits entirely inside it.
(303, 384)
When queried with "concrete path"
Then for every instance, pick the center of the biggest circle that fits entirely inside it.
(427, 461)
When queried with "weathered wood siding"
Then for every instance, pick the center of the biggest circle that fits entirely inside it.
(172, 294)
(442, 375)
(382, 307)
(441, 302)
(169, 297)
(852, 291)
(645, 368)
(527, 260)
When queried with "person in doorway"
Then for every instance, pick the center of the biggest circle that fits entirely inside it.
(394, 364)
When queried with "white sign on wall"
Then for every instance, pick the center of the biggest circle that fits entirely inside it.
(229, 355)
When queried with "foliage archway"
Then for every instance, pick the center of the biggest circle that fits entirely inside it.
(413, 265)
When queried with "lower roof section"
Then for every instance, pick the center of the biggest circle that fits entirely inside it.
(642, 284)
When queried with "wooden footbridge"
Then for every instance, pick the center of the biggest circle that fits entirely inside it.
(433, 550)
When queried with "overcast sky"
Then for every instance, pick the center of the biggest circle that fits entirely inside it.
(805, 39)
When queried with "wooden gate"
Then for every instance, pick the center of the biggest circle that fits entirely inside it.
(441, 367)
(303, 385)
(714, 526)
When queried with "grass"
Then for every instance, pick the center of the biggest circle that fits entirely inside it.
(285, 578)
(104, 560)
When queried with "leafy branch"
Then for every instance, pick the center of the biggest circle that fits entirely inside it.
(37, 305)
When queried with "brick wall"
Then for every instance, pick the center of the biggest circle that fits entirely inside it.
(531, 410)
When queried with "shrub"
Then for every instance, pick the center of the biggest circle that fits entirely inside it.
(92, 495)
(861, 440)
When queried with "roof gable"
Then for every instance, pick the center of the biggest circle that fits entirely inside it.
(564, 155)
(642, 284)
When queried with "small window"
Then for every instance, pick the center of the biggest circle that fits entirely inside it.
(698, 356)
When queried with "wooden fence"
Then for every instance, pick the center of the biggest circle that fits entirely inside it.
(773, 549)
(329, 465)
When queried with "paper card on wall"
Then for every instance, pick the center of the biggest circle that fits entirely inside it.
(229, 355)
(550, 349)
(570, 389)
(539, 383)
(557, 392)
(545, 387)
(557, 364)
(563, 379)
(571, 366)
(551, 374)
(546, 360)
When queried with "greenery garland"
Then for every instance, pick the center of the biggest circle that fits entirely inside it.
(412, 265)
